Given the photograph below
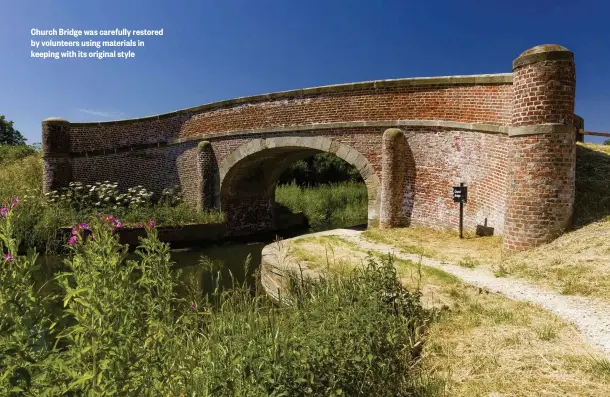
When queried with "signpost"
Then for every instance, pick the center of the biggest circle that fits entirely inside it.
(460, 195)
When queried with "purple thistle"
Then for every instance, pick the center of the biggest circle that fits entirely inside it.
(117, 224)
(83, 226)
(151, 224)
(8, 257)
(14, 202)
(3, 211)
(140, 224)
(72, 240)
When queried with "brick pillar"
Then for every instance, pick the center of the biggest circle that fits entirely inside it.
(542, 149)
(579, 124)
(393, 178)
(57, 169)
(205, 162)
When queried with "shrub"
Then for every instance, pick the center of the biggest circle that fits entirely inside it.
(325, 206)
(106, 196)
(322, 168)
(9, 154)
(123, 331)
(24, 319)
(21, 178)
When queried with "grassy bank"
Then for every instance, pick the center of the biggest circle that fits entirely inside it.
(574, 264)
(123, 331)
(482, 344)
(38, 221)
(326, 206)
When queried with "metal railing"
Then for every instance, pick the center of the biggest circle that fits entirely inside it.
(583, 132)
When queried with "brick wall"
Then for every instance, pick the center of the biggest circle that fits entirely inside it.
(544, 93)
(542, 163)
(509, 138)
(444, 158)
(438, 159)
(486, 103)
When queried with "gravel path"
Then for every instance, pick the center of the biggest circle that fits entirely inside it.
(590, 316)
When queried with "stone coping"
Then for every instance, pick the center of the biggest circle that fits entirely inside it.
(478, 79)
(478, 127)
(544, 52)
(539, 129)
(278, 264)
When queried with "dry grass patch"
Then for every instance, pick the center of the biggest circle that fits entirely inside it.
(444, 245)
(484, 344)
(327, 252)
(577, 263)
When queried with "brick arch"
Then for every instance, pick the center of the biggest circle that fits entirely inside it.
(246, 179)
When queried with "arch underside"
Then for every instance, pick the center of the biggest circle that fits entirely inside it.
(247, 178)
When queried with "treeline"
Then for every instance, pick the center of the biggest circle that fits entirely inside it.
(323, 168)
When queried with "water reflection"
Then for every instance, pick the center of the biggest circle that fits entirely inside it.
(198, 267)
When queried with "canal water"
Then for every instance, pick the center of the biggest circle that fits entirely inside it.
(202, 265)
(208, 265)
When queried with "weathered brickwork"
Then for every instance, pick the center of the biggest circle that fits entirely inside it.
(488, 103)
(544, 93)
(207, 166)
(510, 138)
(542, 166)
(541, 193)
(394, 179)
(444, 158)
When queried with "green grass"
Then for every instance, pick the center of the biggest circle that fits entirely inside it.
(327, 206)
(38, 221)
(547, 332)
(123, 331)
(592, 201)
(469, 262)
(9, 154)
(600, 367)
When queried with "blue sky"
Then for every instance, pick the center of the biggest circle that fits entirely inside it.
(215, 50)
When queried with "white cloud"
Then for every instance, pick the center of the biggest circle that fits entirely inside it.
(101, 114)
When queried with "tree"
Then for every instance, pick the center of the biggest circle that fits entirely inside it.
(9, 135)
(607, 142)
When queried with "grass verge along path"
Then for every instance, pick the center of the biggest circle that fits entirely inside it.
(484, 343)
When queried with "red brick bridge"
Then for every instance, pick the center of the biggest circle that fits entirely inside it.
(510, 137)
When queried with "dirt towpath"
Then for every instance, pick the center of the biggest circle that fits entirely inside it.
(590, 316)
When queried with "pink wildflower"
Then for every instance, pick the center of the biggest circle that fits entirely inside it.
(8, 257)
(3, 211)
(14, 202)
(117, 224)
(72, 240)
(140, 224)
(193, 306)
(83, 226)
(151, 224)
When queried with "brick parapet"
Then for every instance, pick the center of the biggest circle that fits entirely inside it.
(504, 135)
(542, 149)
(466, 99)
(207, 167)
(393, 178)
(57, 167)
